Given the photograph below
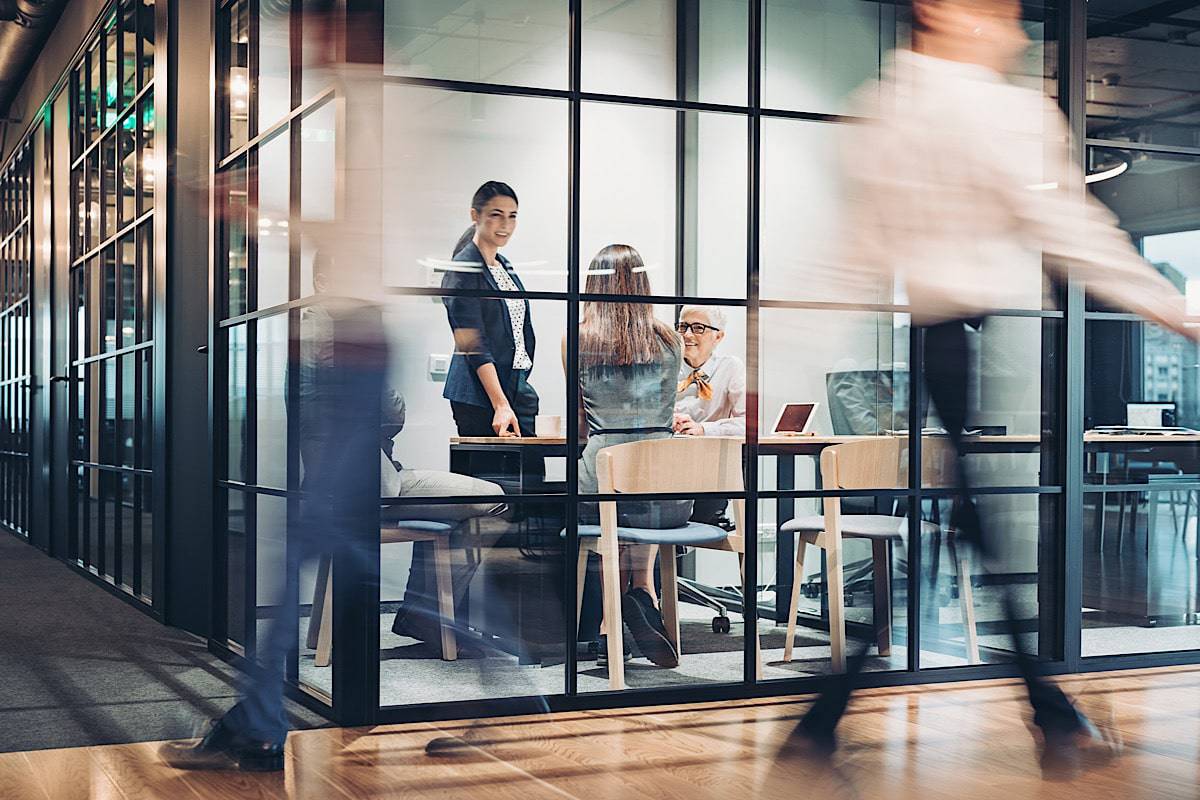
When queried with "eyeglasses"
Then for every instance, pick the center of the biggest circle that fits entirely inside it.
(697, 328)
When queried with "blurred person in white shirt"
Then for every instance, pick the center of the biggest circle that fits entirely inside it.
(962, 191)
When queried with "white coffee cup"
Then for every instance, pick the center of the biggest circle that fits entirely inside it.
(548, 425)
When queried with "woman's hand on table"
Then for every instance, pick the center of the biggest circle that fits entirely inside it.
(504, 422)
(686, 426)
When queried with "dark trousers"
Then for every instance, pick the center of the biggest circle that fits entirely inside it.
(420, 599)
(947, 373)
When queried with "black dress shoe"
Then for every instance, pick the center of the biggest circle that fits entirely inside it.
(222, 748)
(646, 624)
(1067, 754)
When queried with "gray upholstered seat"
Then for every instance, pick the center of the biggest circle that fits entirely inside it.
(864, 526)
(694, 533)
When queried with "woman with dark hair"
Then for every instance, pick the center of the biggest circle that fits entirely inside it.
(628, 368)
(488, 383)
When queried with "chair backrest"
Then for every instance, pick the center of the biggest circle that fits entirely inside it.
(875, 463)
(685, 464)
(882, 463)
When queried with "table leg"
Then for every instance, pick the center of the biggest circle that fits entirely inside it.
(785, 543)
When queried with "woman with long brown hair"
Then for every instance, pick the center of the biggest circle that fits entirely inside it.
(628, 369)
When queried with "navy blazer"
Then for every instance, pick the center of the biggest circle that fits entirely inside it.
(483, 330)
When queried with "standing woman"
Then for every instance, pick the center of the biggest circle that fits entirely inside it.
(488, 384)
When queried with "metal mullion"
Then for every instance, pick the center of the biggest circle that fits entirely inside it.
(291, 387)
(571, 365)
(643, 299)
(1072, 18)
(252, 66)
(101, 133)
(895, 308)
(916, 402)
(1166, 149)
(118, 526)
(249, 576)
(138, 461)
(750, 653)
(254, 142)
(133, 348)
(17, 229)
(105, 241)
(102, 516)
(251, 286)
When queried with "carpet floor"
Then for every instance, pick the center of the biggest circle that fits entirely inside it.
(80, 667)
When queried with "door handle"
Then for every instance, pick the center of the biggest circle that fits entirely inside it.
(202, 348)
(59, 378)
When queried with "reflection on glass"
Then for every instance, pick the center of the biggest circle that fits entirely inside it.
(274, 89)
(1141, 584)
(151, 166)
(239, 506)
(799, 246)
(1140, 74)
(815, 53)
(629, 48)
(236, 24)
(440, 147)
(1012, 405)
(319, 190)
(146, 34)
(1141, 411)
(109, 185)
(235, 230)
(1150, 194)
(418, 325)
(628, 180)
(715, 47)
(129, 66)
(272, 222)
(270, 393)
(524, 45)
(504, 573)
(963, 595)
(854, 577)
(714, 205)
(238, 467)
(127, 255)
(270, 560)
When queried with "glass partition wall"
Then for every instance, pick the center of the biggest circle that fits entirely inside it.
(700, 135)
(16, 348)
(115, 362)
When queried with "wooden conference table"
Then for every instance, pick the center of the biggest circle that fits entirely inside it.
(1099, 446)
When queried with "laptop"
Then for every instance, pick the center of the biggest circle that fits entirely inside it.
(1150, 415)
(795, 419)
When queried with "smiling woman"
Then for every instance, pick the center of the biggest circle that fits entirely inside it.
(488, 384)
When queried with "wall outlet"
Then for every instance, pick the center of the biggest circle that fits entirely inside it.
(439, 367)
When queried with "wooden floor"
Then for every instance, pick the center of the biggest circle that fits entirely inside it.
(965, 741)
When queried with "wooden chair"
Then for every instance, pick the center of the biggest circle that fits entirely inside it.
(320, 624)
(701, 464)
(872, 464)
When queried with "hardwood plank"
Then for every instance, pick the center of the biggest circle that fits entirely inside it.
(17, 780)
(942, 742)
(72, 774)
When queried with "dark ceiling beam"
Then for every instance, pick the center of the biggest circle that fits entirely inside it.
(27, 25)
(1135, 20)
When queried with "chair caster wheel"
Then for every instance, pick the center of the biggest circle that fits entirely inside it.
(721, 625)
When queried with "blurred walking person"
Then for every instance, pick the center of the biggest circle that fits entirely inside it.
(951, 206)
